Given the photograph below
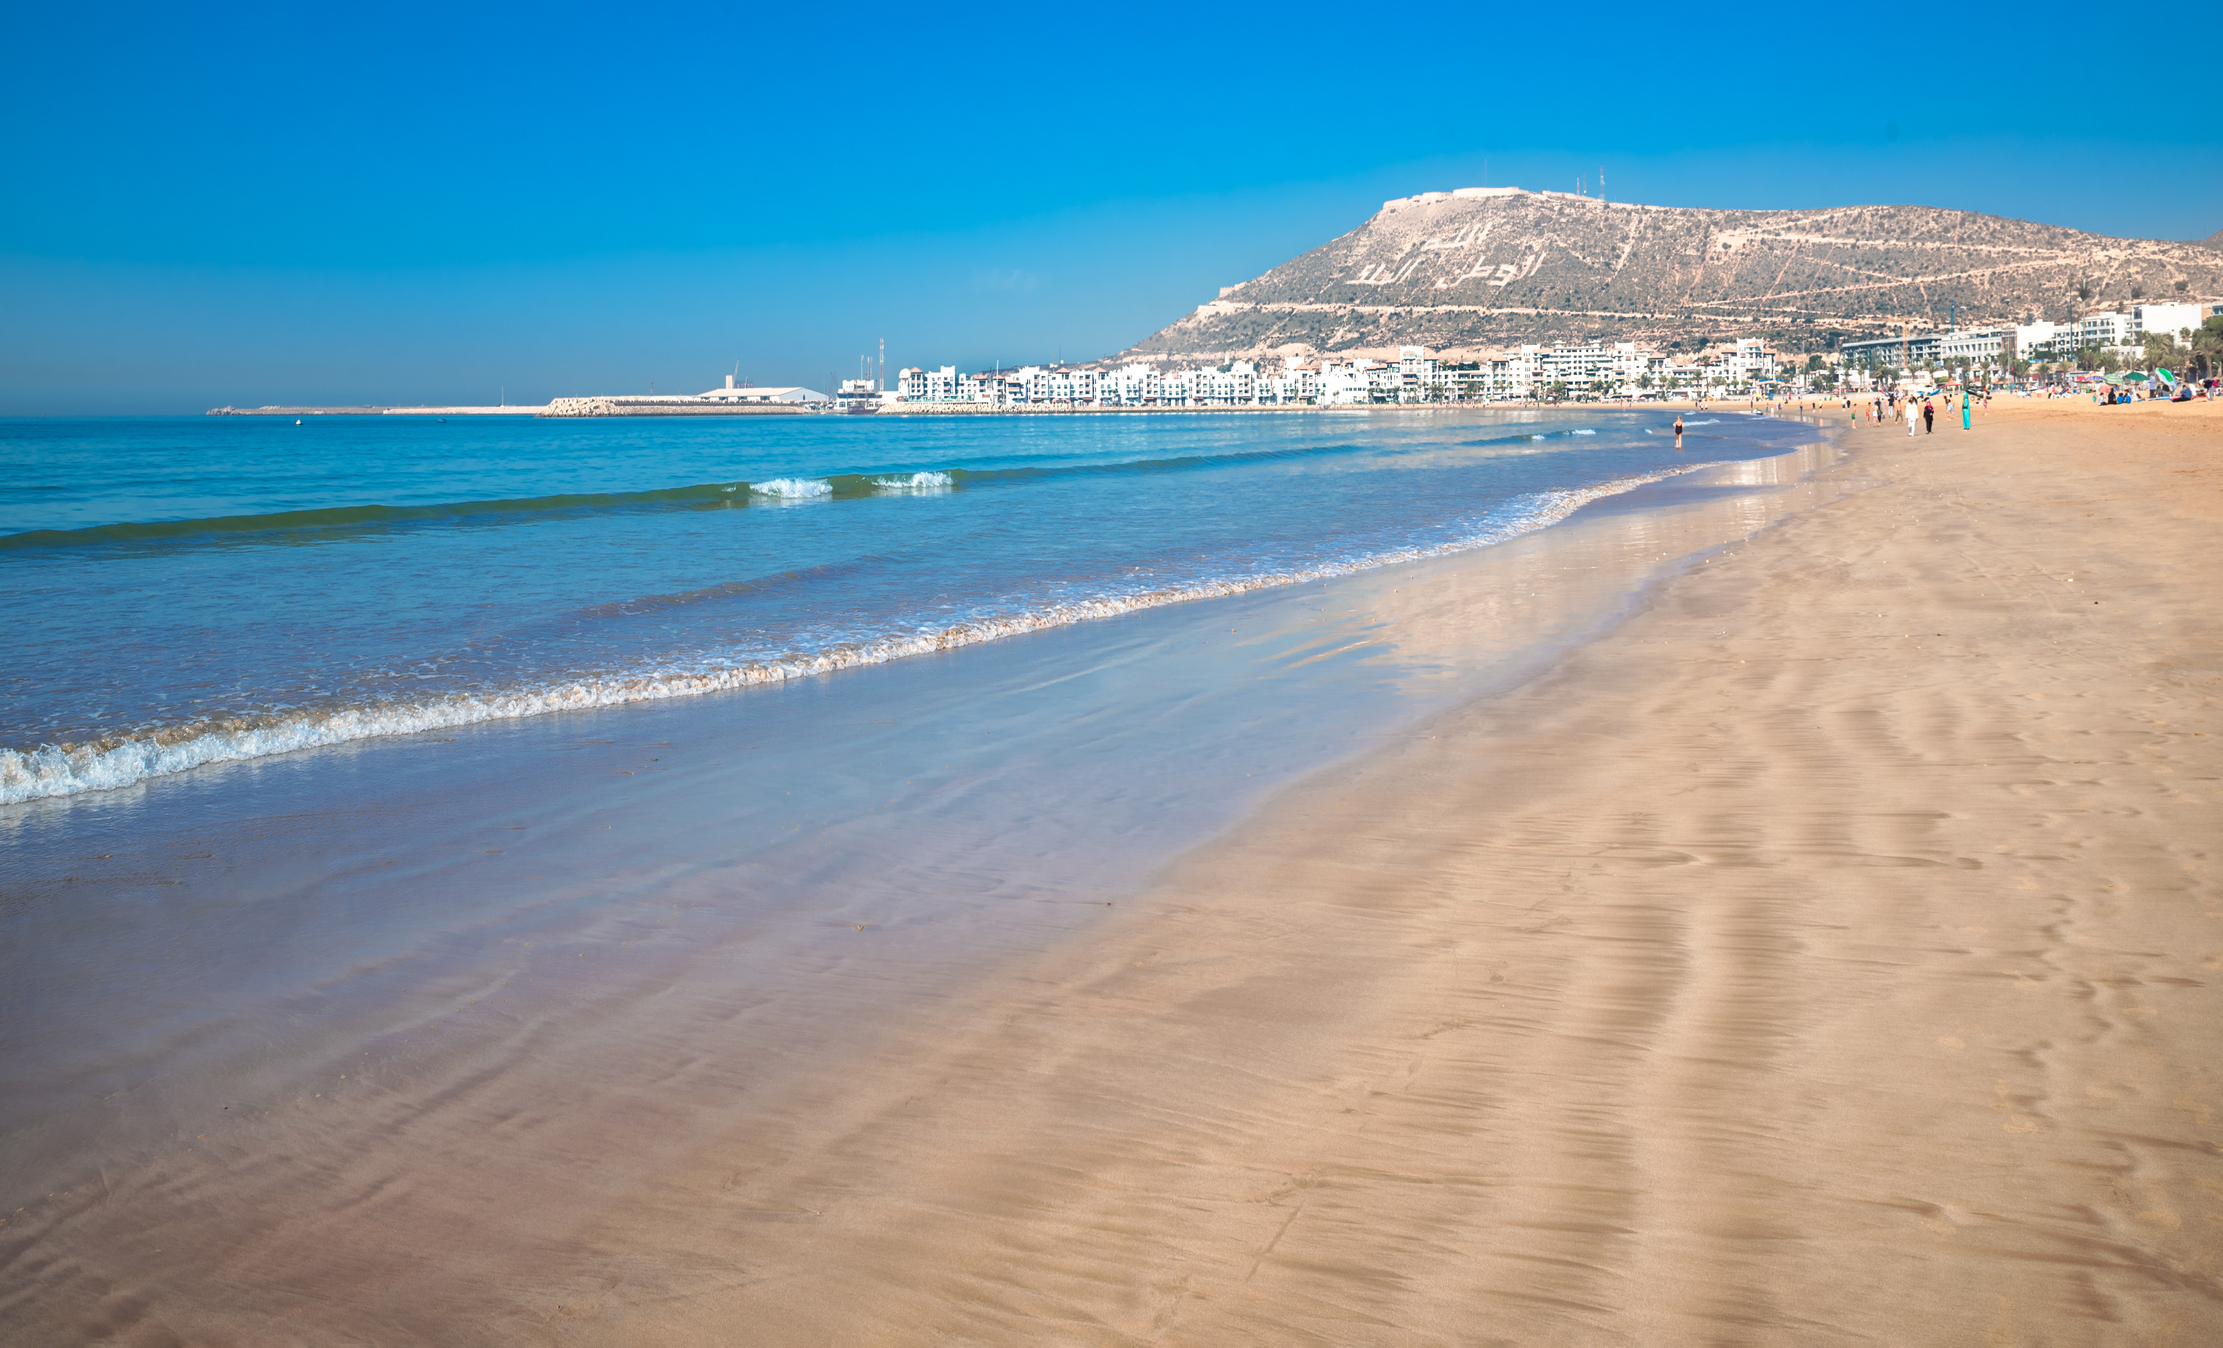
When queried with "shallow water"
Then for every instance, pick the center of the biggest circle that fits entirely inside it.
(193, 591)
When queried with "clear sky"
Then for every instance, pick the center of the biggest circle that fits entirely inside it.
(430, 203)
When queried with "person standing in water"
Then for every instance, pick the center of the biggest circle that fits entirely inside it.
(1678, 430)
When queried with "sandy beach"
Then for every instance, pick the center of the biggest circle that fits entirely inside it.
(1830, 954)
(1824, 953)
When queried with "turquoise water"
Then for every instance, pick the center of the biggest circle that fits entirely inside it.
(192, 591)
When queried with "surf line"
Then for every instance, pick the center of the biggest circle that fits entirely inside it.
(64, 770)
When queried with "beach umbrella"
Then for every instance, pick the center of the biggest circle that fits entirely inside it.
(2166, 377)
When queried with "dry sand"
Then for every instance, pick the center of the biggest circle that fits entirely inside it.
(1830, 954)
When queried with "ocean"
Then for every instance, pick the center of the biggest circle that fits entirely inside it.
(194, 591)
(481, 816)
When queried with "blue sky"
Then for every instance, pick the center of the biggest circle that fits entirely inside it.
(412, 203)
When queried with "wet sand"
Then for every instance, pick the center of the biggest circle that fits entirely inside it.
(1830, 954)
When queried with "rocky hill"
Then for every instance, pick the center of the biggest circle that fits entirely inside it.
(1479, 268)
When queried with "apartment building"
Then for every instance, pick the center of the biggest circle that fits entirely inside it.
(2174, 320)
(1618, 369)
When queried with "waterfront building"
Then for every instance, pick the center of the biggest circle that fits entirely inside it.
(1527, 372)
(746, 393)
(1600, 370)
(1135, 384)
(1352, 382)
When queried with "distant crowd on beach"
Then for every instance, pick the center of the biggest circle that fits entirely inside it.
(1919, 411)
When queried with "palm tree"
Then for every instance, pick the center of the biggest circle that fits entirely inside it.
(2161, 350)
(2207, 345)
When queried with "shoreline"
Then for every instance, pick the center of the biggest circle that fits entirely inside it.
(1826, 953)
(1749, 970)
(375, 951)
(52, 770)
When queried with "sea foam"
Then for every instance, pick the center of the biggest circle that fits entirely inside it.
(793, 488)
(914, 482)
(65, 770)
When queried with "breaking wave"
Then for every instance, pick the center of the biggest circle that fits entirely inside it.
(792, 488)
(337, 521)
(69, 769)
(915, 482)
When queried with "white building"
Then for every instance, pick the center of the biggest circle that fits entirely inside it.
(2170, 319)
(2108, 329)
(1297, 383)
(1516, 375)
(1348, 383)
(1748, 360)
(2035, 341)
(1231, 385)
(1618, 369)
(749, 394)
(916, 385)
(1134, 384)
(1077, 387)
(1977, 344)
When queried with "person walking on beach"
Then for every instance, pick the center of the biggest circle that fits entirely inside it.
(1964, 411)
(1914, 416)
(1678, 430)
(1929, 417)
